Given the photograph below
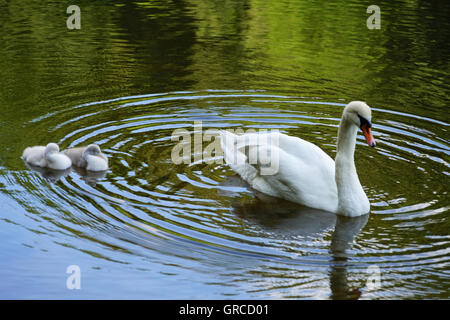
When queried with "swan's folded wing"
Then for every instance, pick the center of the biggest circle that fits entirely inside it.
(283, 166)
(302, 149)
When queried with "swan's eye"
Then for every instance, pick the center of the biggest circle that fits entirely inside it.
(364, 122)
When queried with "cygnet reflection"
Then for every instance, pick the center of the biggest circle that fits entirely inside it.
(49, 174)
(90, 177)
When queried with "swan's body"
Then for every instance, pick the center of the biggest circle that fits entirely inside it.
(91, 158)
(46, 157)
(305, 174)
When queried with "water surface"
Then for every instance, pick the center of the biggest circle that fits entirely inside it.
(147, 228)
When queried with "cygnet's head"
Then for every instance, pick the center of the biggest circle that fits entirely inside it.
(51, 148)
(359, 113)
(91, 149)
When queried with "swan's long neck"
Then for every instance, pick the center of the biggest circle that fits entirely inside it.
(352, 201)
(346, 139)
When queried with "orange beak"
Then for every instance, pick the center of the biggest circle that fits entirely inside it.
(367, 132)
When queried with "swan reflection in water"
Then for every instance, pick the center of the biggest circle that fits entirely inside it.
(345, 231)
(286, 219)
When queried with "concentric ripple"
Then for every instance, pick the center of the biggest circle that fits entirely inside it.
(201, 217)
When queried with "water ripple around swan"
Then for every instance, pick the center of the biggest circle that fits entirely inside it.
(200, 217)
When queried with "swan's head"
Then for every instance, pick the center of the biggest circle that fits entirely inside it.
(51, 148)
(92, 149)
(359, 113)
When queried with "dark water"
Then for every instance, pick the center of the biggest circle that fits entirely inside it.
(148, 228)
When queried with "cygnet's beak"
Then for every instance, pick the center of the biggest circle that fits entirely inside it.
(367, 132)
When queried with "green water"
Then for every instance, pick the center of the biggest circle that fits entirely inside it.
(151, 229)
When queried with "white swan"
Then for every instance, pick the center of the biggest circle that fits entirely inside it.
(305, 174)
(46, 157)
(89, 157)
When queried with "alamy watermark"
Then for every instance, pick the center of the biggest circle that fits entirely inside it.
(374, 280)
(374, 20)
(74, 20)
(74, 279)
